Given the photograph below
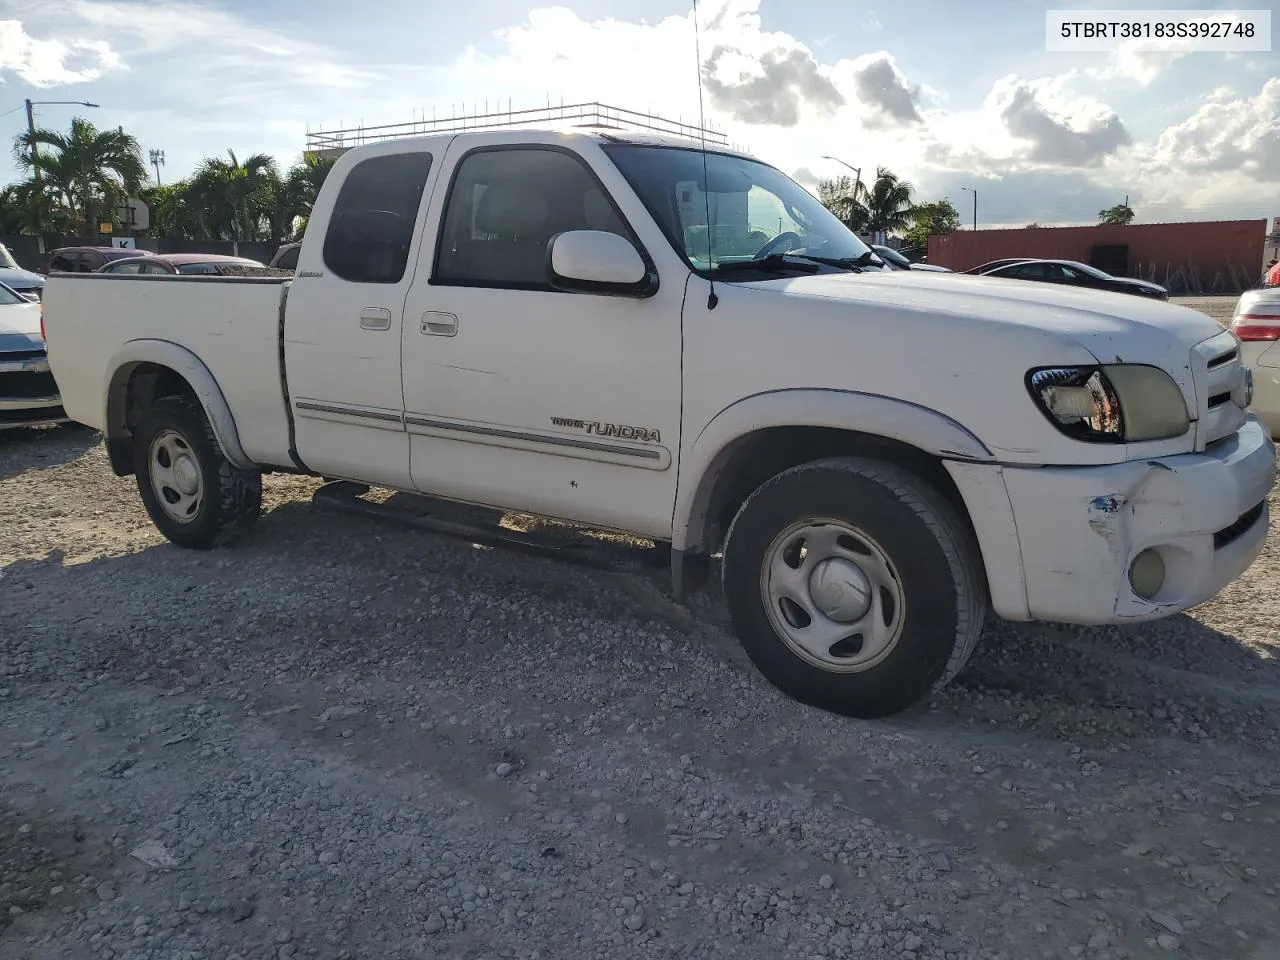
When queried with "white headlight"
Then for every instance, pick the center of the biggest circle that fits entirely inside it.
(1117, 403)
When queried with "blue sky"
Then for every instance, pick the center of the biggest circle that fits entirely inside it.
(947, 95)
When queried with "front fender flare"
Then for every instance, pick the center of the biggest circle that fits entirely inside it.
(191, 368)
(708, 455)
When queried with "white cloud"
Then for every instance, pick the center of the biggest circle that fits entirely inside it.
(1059, 131)
(1231, 136)
(51, 63)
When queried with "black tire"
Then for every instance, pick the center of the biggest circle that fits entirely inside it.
(231, 498)
(936, 568)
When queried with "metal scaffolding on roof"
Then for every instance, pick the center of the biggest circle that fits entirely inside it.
(578, 116)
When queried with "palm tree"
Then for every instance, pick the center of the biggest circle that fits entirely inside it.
(301, 188)
(173, 212)
(87, 169)
(888, 203)
(237, 198)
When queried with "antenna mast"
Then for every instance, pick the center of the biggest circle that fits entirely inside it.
(712, 299)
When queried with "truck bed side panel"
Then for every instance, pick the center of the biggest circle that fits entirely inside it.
(230, 323)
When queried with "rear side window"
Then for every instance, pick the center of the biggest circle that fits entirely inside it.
(373, 219)
(63, 262)
(288, 260)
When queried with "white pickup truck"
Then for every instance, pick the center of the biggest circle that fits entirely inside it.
(632, 334)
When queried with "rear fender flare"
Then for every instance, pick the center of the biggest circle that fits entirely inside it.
(713, 448)
(191, 368)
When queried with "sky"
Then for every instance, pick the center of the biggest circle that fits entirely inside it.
(947, 95)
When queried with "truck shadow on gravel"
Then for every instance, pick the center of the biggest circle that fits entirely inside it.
(1176, 678)
(36, 448)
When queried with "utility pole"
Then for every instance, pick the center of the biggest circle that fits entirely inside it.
(975, 205)
(31, 134)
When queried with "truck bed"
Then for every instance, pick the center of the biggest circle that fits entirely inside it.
(232, 324)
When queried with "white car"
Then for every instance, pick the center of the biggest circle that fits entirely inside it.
(28, 393)
(537, 322)
(1257, 324)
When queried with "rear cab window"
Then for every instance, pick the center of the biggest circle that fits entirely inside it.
(371, 228)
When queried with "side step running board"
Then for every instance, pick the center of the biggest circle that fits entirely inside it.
(344, 496)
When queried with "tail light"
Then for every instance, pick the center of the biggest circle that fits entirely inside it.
(42, 336)
(1255, 327)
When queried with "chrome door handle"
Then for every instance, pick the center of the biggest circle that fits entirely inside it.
(437, 324)
(375, 318)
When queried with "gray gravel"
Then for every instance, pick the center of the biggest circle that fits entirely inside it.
(350, 739)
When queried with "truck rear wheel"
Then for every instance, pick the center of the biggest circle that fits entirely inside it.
(194, 496)
(853, 586)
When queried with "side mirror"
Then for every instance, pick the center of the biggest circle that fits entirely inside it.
(595, 261)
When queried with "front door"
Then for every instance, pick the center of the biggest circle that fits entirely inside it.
(520, 396)
(343, 317)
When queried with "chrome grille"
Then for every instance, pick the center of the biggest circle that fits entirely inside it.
(1221, 388)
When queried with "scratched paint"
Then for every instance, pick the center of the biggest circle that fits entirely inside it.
(1107, 504)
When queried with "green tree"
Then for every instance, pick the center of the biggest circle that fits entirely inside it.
(888, 203)
(1120, 214)
(237, 200)
(929, 219)
(89, 171)
(175, 212)
(301, 187)
(846, 198)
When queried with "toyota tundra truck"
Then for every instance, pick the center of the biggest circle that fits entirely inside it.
(640, 334)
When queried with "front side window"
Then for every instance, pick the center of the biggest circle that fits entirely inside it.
(123, 266)
(371, 228)
(736, 211)
(506, 205)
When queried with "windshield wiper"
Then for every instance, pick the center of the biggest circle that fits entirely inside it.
(788, 262)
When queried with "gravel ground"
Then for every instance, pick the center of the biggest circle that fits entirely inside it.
(347, 738)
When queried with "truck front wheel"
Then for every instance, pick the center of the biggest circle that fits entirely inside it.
(853, 586)
(194, 496)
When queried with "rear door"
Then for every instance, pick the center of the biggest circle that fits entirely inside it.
(344, 312)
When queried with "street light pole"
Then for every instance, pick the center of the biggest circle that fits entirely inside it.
(857, 173)
(157, 161)
(975, 206)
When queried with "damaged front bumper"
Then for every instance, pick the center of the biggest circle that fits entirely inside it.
(1058, 542)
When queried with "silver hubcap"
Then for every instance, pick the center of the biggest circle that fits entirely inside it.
(175, 476)
(832, 595)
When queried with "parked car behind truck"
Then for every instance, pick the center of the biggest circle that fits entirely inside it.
(28, 393)
(513, 320)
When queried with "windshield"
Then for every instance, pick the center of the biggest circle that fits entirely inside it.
(6, 259)
(754, 209)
